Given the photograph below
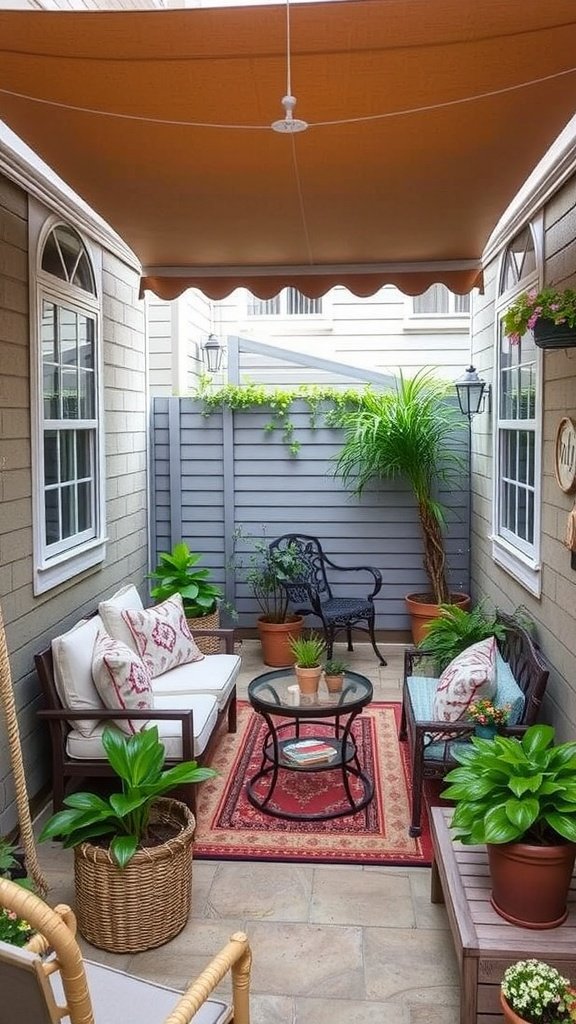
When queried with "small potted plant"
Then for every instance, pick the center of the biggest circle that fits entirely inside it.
(133, 849)
(177, 573)
(308, 651)
(533, 992)
(488, 718)
(518, 796)
(334, 670)
(13, 929)
(549, 313)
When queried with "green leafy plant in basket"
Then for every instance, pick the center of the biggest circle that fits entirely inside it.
(455, 630)
(177, 573)
(122, 819)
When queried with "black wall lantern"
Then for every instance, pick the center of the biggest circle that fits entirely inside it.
(473, 393)
(213, 351)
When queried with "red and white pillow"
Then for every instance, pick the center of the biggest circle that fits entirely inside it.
(162, 637)
(122, 680)
(469, 677)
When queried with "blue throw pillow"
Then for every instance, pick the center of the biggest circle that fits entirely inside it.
(508, 691)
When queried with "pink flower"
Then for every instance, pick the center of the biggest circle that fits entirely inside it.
(514, 339)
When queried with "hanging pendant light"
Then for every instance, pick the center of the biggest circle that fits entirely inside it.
(288, 125)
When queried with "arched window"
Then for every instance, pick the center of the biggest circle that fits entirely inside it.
(516, 496)
(69, 521)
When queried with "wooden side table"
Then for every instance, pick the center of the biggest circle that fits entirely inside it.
(485, 943)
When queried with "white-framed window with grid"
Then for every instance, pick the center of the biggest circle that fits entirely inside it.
(439, 301)
(68, 476)
(517, 434)
(289, 302)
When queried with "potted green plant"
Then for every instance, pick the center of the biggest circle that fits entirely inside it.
(408, 433)
(334, 669)
(549, 313)
(267, 571)
(177, 572)
(487, 717)
(533, 992)
(519, 797)
(455, 630)
(308, 652)
(13, 929)
(132, 848)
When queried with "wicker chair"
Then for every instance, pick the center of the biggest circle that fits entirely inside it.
(44, 990)
(312, 594)
(431, 742)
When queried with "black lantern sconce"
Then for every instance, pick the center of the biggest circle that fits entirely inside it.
(213, 351)
(473, 393)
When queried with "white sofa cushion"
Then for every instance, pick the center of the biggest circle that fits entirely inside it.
(205, 711)
(162, 637)
(110, 611)
(122, 679)
(215, 674)
(72, 654)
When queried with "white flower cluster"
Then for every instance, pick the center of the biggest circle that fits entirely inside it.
(532, 988)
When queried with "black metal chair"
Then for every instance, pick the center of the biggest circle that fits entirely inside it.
(311, 593)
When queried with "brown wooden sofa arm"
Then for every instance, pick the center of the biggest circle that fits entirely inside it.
(185, 716)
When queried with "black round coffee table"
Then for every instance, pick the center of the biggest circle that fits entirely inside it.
(331, 715)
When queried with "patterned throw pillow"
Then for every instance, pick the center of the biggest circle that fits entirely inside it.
(122, 679)
(162, 637)
(469, 676)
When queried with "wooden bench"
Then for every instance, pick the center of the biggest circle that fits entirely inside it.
(485, 943)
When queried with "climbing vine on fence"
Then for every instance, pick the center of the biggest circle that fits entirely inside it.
(279, 401)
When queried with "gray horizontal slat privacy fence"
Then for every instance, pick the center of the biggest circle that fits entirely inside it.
(220, 475)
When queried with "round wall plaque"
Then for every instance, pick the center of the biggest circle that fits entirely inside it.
(565, 455)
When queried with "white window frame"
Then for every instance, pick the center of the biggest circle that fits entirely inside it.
(283, 313)
(518, 558)
(63, 562)
(445, 323)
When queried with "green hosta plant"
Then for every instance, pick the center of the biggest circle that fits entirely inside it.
(308, 650)
(176, 573)
(122, 818)
(508, 790)
(456, 629)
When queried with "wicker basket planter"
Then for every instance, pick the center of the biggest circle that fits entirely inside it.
(207, 644)
(145, 904)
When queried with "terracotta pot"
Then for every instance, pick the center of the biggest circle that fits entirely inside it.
(275, 640)
(530, 883)
(334, 684)
(508, 1012)
(422, 610)
(308, 678)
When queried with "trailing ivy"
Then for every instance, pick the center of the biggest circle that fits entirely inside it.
(279, 402)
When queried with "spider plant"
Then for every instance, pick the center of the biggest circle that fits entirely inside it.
(407, 433)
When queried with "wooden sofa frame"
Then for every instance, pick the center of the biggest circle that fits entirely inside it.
(58, 718)
(524, 658)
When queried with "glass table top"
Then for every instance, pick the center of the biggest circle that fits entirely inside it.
(279, 689)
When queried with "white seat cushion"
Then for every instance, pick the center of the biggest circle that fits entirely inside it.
(72, 654)
(216, 675)
(205, 711)
(110, 611)
(121, 997)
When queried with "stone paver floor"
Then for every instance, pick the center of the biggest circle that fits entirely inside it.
(331, 944)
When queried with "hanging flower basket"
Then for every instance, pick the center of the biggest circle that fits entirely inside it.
(550, 314)
(547, 334)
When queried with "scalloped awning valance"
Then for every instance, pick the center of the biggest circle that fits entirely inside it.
(425, 119)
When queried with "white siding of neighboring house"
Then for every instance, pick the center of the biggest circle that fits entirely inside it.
(378, 333)
(555, 611)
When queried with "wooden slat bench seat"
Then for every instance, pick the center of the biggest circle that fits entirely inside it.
(485, 943)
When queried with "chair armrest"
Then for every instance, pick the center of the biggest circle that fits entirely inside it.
(447, 730)
(183, 715)
(227, 635)
(375, 573)
(237, 957)
(411, 658)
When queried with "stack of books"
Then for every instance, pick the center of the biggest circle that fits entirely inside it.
(304, 752)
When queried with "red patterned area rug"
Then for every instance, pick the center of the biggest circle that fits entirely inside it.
(230, 828)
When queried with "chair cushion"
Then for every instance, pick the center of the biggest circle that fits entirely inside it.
(422, 691)
(117, 996)
(72, 654)
(508, 691)
(162, 637)
(215, 674)
(205, 711)
(122, 679)
(344, 608)
(469, 677)
(110, 611)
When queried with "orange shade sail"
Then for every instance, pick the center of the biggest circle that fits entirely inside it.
(424, 120)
